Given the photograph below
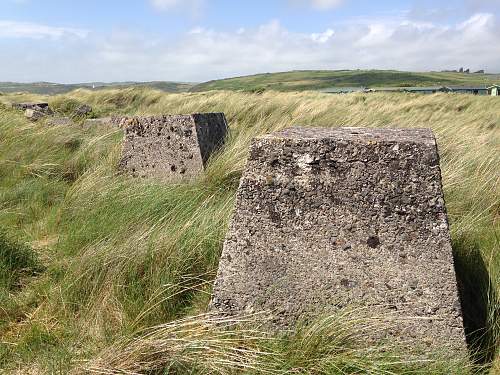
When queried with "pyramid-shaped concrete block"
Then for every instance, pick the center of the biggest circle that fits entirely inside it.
(172, 147)
(328, 218)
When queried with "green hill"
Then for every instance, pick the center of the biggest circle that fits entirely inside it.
(320, 79)
(285, 81)
(48, 88)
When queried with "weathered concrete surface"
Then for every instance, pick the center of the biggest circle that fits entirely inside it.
(34, 114)
(327, 218)
(30, 105)
(173, 147)
(121, 121)
(82, 110)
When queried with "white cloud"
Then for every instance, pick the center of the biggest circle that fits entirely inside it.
(194, 6)
(166, 4)
(198, 4)
(326, 4)
(203, 54)
(15, 29)
(399, 44)
(478, 22)
(319, 4)
(196, 30)
(323, 37)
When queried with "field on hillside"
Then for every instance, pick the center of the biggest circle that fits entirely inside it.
(285, 81)
(321, 79)
(112, 274)
(48, 88)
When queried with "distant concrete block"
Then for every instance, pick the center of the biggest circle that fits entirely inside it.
(327, 218)
(30, 105)
(82, 110)
(41, 107)
(172, 147)
(34, 114)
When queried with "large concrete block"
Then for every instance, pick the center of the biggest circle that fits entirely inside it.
(173, 147)
(327, 218)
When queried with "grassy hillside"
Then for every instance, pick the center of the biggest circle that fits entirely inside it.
(110, 273)
(318, 79)
(286, 81)
(47, 88)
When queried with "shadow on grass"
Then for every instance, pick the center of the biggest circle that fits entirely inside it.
(16, 261)
(478, 299)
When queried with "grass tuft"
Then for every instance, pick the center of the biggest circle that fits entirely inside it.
(210, 344)
(16, 262)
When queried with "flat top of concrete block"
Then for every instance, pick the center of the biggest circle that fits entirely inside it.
(179, 116)
(413, 135)
(137, 124)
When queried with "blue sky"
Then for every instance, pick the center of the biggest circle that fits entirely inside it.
(197, 40)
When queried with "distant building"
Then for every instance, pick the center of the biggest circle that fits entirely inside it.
(426, 90)
(385, 89)
(494, 90)
(416, 90)
(343, 90)
(474, 90)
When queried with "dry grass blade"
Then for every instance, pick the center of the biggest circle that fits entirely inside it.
(205, 341)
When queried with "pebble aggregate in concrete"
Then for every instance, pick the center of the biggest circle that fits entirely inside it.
(173, 147)
(328, 218)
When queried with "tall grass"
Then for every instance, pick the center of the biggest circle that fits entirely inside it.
(16, 261)
(208, 344)
(129, 263)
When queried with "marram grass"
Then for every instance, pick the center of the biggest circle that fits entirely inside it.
(209, 344)
(128, 263)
